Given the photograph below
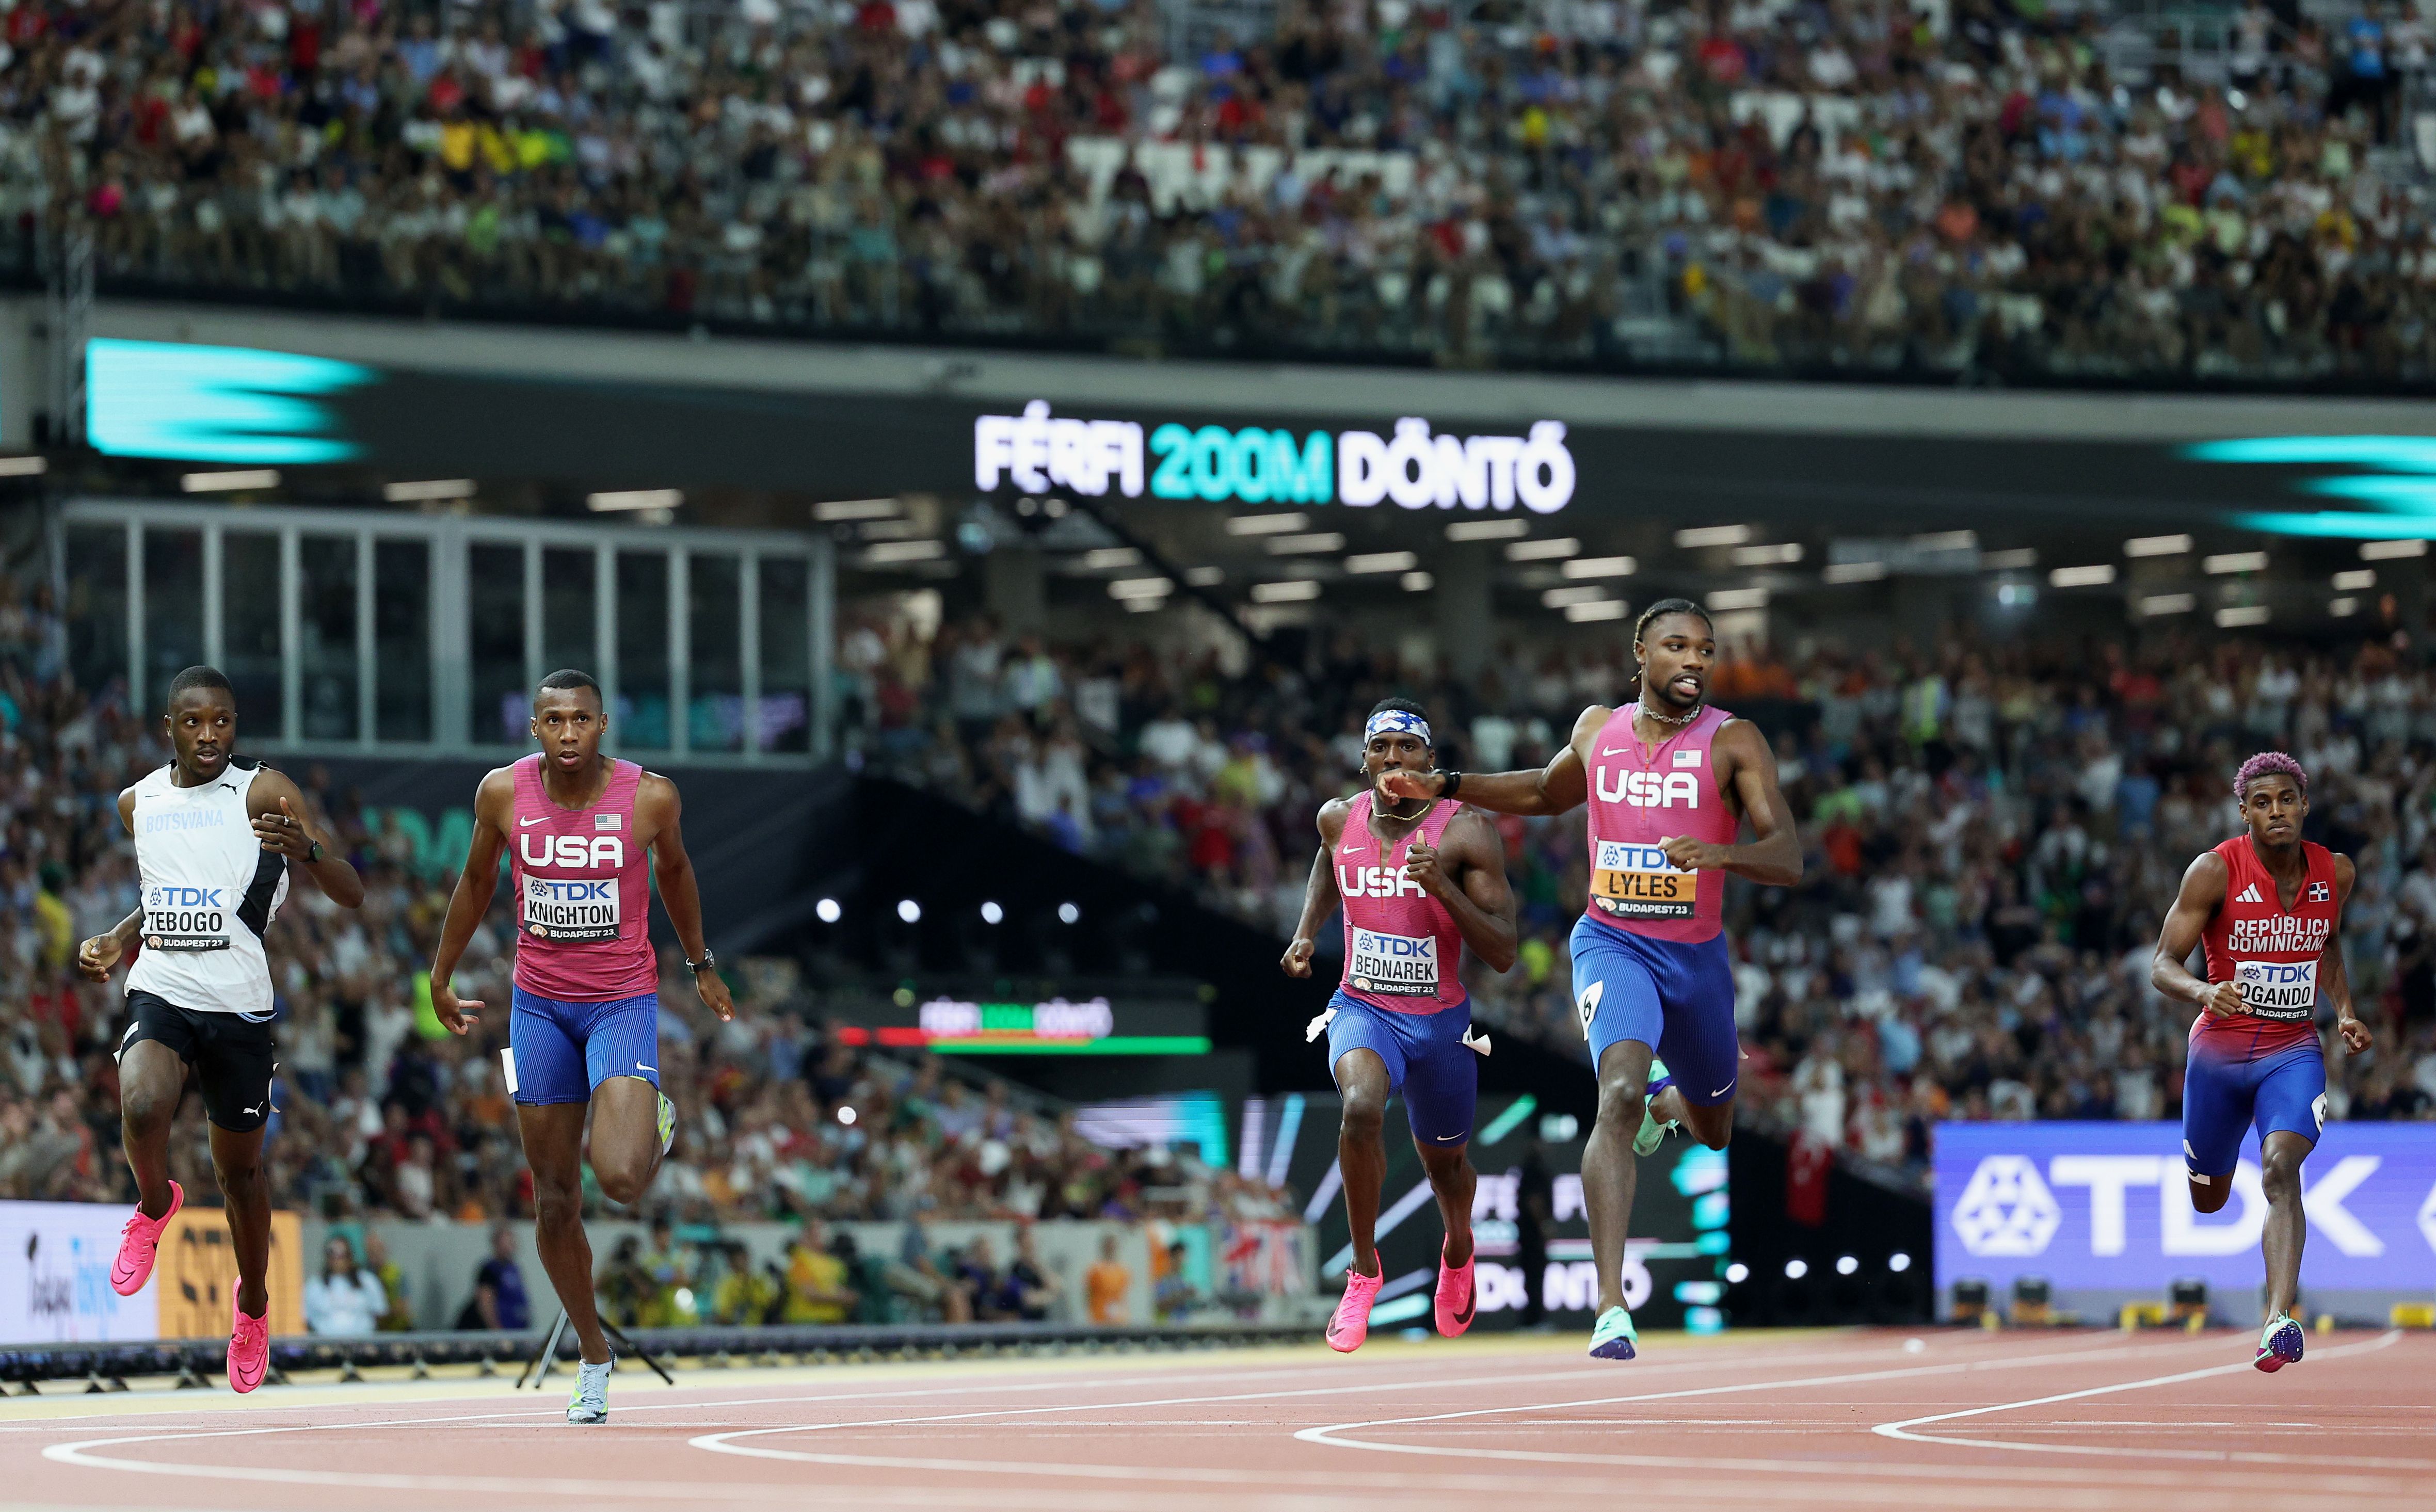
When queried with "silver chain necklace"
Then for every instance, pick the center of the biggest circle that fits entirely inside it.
(1677, 720)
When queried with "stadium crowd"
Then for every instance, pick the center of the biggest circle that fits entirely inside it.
(381, 1112)
(1991, 836)
(1854, 184)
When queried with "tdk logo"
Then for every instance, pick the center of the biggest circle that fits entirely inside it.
(1649, 790)
(571, 850)
(559, 892)
(1377, 882)
(184, 897)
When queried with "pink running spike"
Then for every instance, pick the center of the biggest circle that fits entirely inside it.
(1351, 1324)
(1457, 1300)
(248, 1354)
(139, 1244)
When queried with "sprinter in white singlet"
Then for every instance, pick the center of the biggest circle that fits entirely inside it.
(214, 840)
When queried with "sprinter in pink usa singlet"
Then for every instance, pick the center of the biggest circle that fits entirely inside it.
(1418, 880)
(1668, 781)
(585, 836)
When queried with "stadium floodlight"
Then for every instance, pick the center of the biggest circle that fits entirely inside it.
(1700, 536)
(828, 912)
(1205, 577)
(2224, 561)
(1125, 589)
(1782, 554)
(1553, 550)
(427, 491)
(2157, 545)
(898, 553)
(2020, 559)
(617, 501)
(992, 914)
(846, 510)
(2098, 575)
(1583, 614)
(2168, 603)
(24, 466)
(846, 1114)
(1841, 572)
(2391, 550)
(1726, 600)
(1899, 1263)
(1796, 1268)
(1068, 913)
(1847, 1265)
(1600, 567)
(1737, 1273)
(1382, 562)
(1488, 530)
(2240, 615)
(909, 911)
(1266, 524)
(1417, 582)
(2358, 580)
(229, 482)
(1100, 559)
(2343, 608)
(1296, 590)
(1312, 544)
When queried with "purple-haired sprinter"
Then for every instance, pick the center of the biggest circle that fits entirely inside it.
(2268, 905)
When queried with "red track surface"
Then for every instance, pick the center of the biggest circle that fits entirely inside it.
(2049, 1421)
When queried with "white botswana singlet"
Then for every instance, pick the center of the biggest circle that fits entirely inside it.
(209, 892)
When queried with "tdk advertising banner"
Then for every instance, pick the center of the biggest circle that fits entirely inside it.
(2107, 1206)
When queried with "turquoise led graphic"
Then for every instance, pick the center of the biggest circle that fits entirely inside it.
(215, 404)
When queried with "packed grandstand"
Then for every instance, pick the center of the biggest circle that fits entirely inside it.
(2011, 189)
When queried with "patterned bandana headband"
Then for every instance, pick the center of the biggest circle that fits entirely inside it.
(1396, 722)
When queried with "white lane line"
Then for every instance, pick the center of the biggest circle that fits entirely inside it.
(2220, 1456)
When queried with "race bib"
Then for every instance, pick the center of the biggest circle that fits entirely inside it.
(185, 918)
(2278, 989)
(1634, 881)
(560, 910)
(1395, 966)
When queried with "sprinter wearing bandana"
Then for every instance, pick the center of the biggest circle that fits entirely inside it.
(1419, 878)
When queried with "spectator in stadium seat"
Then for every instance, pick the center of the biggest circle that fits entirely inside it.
(1174, 1295)
(499, 1302)
(746, 1296)
(345, 1301)
(816, 1278)
(1107, 1283)
(400, 1316)
(1031, 1286)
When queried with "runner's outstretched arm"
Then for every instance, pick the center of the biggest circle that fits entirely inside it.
(472, 899)
(1564, 783)
(1467, 874)
(2202, 894)
(1319, 895)
(283, 823)
(657, 809)
(2335, 983)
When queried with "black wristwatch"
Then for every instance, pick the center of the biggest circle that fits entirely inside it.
(707, 961)
(1448, 782)
(313, 856)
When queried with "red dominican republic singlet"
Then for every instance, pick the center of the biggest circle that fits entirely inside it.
(582, 900)
(1640, 797)
(2273, 953)
(1401, 948)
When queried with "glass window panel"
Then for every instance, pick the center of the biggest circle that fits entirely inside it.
(402, 640)
(173, 608)
(328, 654)
(495, 595)
(96, 606)
(716, 666)
(566, 623)
(250, 631)
(786, 654)
(641, 722)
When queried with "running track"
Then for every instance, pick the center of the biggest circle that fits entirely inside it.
(2054, 1421)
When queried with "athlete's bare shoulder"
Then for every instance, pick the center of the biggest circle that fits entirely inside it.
(126, 806)
(494, 796)
(2345, 873)
(1587, 726)
(2206, 879)
(651, 787)
(1474, 832)
(1333, 815)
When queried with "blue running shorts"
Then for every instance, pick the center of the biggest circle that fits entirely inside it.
(2224, 1098)
(1677, 1000)
(1427, 1062)
(559, 1052)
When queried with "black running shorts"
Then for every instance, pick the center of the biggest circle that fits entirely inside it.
(232, 1056)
